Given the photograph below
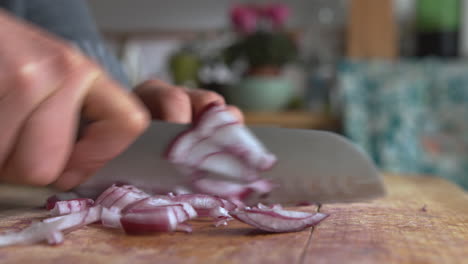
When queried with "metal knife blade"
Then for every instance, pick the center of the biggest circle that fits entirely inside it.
(314, 166)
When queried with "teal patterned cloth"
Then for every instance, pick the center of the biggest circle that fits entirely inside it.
(410, 116)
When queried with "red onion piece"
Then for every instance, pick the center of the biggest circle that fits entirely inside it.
(220, 162)
(55, 238)
(71, 206)
(222, 222)
(120, 196)
(218, 143)
(148, 203)
(50, 203)
(50, 229)
(35, 233)
(159, 219)
(181, 190)
(272, 207)
(278, 220)
(207, 205)
(184, 228)
(76, 220)
(184, 211)
(231, 190)
(111, 217)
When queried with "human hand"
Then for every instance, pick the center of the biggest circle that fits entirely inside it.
(44, 87)
(178, 104)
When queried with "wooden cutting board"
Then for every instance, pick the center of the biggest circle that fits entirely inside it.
(394, 229)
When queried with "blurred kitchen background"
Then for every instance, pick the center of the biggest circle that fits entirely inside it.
(391, 75)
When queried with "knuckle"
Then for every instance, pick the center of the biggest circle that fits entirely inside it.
(69, 58)
(71, 63)
(24, 79)
(136, 121)
(176, 96)
(25, 74)
(34, 79)
(155, 82)
(210, 96)
(150, 85)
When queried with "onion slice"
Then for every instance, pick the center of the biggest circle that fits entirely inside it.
(76, 220)
(51, 229)
(35, 233)
(207, 205)
(231, 190)
(50, 203)
(278, 220)
(111, 217)
(71, 206)
(218, 143)
(157, 219)
(120, 196)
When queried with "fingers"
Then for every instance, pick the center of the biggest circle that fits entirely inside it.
(201, 98)
(165, 102)
(117, 120)
(46, 138)
(27, 86)
(43, 86)
(177, 104)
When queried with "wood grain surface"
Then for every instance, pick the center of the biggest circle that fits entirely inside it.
(294, 119)
(372, 30)
(394, 229)
(423, 220)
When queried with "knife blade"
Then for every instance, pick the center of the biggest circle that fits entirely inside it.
(314, 166)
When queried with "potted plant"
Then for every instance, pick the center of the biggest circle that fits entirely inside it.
(264, 47)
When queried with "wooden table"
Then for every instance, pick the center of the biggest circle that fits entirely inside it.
(394, 229)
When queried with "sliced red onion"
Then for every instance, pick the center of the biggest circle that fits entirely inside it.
(272, 207)
(184, 228)
(218, 143)
(71, 206)
(50, 229)
(76, 220)
(211, 158)
(181, 190)
(136, 212)
(230, 190)
(207, 205)
(55, 238)
(159, 219)
(183, 210)
(221, 126)
(148, 203)
(120, 196)
(50, 203)
(111, 217)
(222, 222)
(35, 233)
(278, 220)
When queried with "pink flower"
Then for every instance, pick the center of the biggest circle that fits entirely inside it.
(244, 19)
(278, 13)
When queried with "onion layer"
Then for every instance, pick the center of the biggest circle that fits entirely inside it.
(276, 219)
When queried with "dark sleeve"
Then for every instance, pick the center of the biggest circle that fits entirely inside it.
(72, 20)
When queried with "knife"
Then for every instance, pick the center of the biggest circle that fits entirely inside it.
(313, 166)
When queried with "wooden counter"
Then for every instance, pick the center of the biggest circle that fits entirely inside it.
(394, 229)
(294, 119)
